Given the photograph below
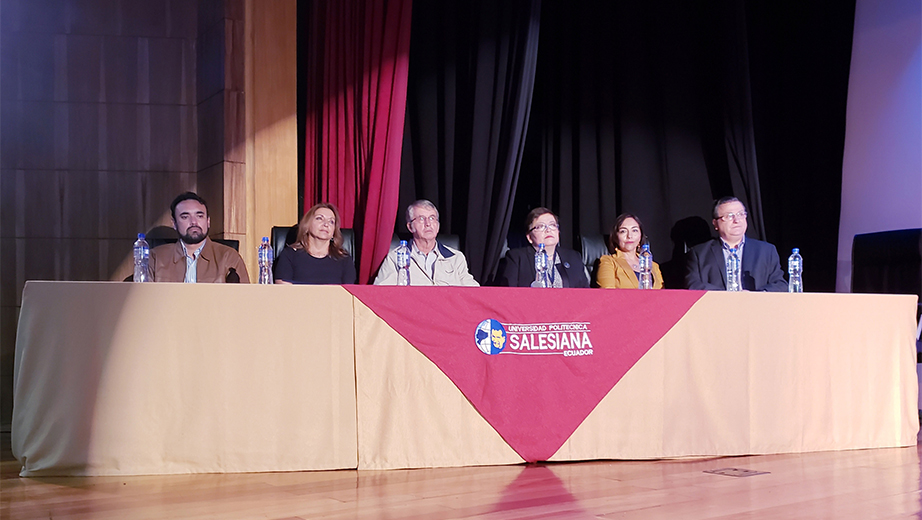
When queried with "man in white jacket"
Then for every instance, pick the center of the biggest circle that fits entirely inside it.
(431, 263)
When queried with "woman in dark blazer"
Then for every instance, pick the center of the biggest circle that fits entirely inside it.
(517, 268)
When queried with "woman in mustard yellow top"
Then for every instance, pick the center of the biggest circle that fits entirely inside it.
(621, 270)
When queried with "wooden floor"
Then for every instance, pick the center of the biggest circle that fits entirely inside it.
(864, 484)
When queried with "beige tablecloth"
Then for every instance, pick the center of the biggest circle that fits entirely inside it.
(120, 378)
(740, 373)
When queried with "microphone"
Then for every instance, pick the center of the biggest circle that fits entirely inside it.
(232, 276)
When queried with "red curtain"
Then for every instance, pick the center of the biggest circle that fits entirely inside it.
(357, 61)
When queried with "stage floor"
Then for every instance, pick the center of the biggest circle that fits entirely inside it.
(860, 484)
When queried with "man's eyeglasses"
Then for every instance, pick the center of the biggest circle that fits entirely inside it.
(731, 217)
(432, 219)
(545, 227)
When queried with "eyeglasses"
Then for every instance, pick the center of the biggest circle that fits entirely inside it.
(545, 227)
(731, 217)
(432, 219)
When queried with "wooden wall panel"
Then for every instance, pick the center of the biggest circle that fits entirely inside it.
(84, 68)
(9, 205)
(144, 136)
(10, 129)
(120, 65)
(209, 13)
(236, 212)
(271, 86)
(166, 70)
(8, 291)
(182, 20)
(210, 62)
(94, 16)
(235, 65)
(187, 97)
(160, 190)
(40, 192)
(9, 63)
(9, 316)
(94, 95)
(109, 108)
(188, 138)
(80, 202)
(123, 198)
(211, 131)
(83, 136)
(31, 132)
(41, 258)
(235, 136)
(144, 18)
(79, 259)
(47, 16)
(166, 124)
(210, 181)
(121, 125)
(221, 118)
(117, 263)
(35, 74)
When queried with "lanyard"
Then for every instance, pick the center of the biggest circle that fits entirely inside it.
(552, 269)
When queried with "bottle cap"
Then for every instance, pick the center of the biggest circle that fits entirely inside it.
(265, 239)
(796, 250)
(403, 242)
(140, 236)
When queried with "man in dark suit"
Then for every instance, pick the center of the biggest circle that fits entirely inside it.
(565, 266)
(706, 264)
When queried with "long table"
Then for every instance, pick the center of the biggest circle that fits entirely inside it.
(120, 378)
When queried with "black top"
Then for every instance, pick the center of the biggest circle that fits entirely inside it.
(517, 268)
(300, 267)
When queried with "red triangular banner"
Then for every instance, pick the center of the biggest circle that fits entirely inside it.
(534, 363)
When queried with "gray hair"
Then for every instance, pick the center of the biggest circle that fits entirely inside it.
(720, 202)
(421, 203)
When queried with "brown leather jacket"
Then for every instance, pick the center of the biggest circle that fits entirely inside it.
(168, 263)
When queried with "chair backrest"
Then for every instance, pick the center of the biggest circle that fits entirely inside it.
(888, 262)
(156, 242)
(592, 248)
(228, 242)
(281, 236)
(284, 235)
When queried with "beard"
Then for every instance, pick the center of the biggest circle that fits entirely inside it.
(193, 235)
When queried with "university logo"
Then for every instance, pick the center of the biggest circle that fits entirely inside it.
(568, 339)
(490, 337)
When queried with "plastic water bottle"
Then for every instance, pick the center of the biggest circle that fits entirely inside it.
(540, 267)
(795, 271)
(403, 264)
(733, 272)
(646, 267)
(142, 260)
(265, 261)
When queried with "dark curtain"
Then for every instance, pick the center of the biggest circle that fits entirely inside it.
(355, 104)
(640, 108)
(800, 58)
(472, 67)
(651, 109)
